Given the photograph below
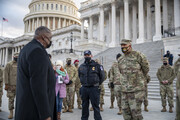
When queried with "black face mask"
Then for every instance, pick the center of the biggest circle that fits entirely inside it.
(124, 49)
(49, 44)
(87, 59)
(15, 59)
(165, 64)
(68, 62)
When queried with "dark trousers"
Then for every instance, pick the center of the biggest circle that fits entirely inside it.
(90, 94)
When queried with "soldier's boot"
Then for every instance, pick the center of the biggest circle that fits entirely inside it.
(120, 111)
(58, 115)
(91, 109)
(70, 109)
(65, 109)
(171, 110)
(112, 105)
(10, 115)
(79, 107)
(145, 108)
(164, 109)
(101, 107)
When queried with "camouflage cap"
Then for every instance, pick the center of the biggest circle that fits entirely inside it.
(67, 59)
(16, 54)
(165, 59)
(126, 41)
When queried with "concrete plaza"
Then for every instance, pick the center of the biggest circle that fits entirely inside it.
(108, 114)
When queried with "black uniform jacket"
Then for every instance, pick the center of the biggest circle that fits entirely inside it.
(35, 90)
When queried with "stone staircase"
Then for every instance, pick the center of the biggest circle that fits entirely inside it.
(152, 50)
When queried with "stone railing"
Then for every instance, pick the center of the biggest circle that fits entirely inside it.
(67, 51)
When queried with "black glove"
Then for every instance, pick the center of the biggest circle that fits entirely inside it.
(112, 85)
(70, 82)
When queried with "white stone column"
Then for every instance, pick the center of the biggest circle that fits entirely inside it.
(0, 56)
(6, 56)
(91, 28)
(158, 35)
(126, 20)
(113, 37)
(134, 23)
(177, 16)
(101, 22)
(59, 23)
(149, 20)
(54, 23)
(32, 24)
(48, 23)
(82, 29)
(37, 24)
(12, 53)
(2, 60)
(43, 22)
(121, 23)
(141, 22)
(64, 23)
(110, 26)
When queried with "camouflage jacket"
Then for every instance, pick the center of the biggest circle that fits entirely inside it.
(77, 81)
(177, 73)
(166, 73)
(133, 69)
(72, 73)
(10, 73)
(115, 74)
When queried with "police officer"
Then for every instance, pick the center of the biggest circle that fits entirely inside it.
(91, 75)
(1, 86)
(166, 75)
(10, 76)
(133, 67)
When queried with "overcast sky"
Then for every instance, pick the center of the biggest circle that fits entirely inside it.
(14, 11)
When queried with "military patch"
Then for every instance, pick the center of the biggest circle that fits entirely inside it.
(93, 68)
(101, 68)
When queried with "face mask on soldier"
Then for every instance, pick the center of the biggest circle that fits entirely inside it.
(76, 64)
(165, 63)
(15, 59)
(69, 62)
(125, 49)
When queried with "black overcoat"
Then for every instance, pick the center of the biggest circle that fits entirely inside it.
(35, 89)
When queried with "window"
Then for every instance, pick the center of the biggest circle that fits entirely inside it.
(39, 7)
(51, 6)
(64, 8)
(56, 6)
(42, 6)
(35, 7)
(61, 7)
(47, 6)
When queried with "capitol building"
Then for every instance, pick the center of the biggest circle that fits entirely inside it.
(108, 22)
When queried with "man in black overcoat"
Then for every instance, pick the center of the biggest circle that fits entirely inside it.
(35, 88)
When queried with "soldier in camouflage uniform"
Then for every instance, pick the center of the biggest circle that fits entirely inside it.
(166, 75)
(133, 67)
(115, 82)
(77, 87)
(112, 98)
(148, 78)
(1, 86)
(10, 77)
(177, 73)
(70, 87)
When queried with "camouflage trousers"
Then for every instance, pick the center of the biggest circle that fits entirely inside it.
(78, 96)
(131, 105)
(1, 92)
(178, 105)
(102, 92)
(112, 95)
(117, 91)
(68, 101)
(167, 90)
(11, 94)
(146, 96)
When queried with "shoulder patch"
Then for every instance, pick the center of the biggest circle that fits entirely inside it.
(101, 67)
